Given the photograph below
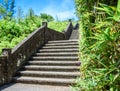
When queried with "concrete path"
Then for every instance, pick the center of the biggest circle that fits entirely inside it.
(74, 34)
(32, 87)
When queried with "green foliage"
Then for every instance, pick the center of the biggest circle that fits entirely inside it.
(10, 44)
(7, 9)
(58, 26)
(46, 17)
(13, 31)
(100, 50)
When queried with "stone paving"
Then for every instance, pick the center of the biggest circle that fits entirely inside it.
(32, 87)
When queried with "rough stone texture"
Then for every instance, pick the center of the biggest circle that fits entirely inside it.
(25, 49)
(3, 73)
(51, 34)
(18, 56)
(68, 31)
(57, 63)
(52, 70)
(32, 87)
(74, 35)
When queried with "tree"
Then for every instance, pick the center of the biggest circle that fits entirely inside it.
(2, 11)
(19, 14)
(30, 13)
(7, 9)
(46, 17)
(12, 6)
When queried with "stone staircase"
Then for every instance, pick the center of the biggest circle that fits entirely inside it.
(55, 64)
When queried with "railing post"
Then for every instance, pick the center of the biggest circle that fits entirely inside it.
(44, 23)
(45, 29)
(7, 52)
(71, 26)
(3, 71)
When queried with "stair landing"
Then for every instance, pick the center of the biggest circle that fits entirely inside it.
(32, 87)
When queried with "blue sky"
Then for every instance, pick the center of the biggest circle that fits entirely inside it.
(63, 9)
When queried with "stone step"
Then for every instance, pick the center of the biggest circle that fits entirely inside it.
(52, 68)
(57, 54)
(55, 63)
(63, 47)
(49, 74)
(61, 44)
(75, 34)
(63, 41)
(55, 58)
(57, 50)
(44, 81)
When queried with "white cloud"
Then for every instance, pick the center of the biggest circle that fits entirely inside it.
(65, 15)
(64, 11)
(62, 15)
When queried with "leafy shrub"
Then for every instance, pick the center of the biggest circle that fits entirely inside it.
(58, 26)
(100, 50)
(12, 32)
